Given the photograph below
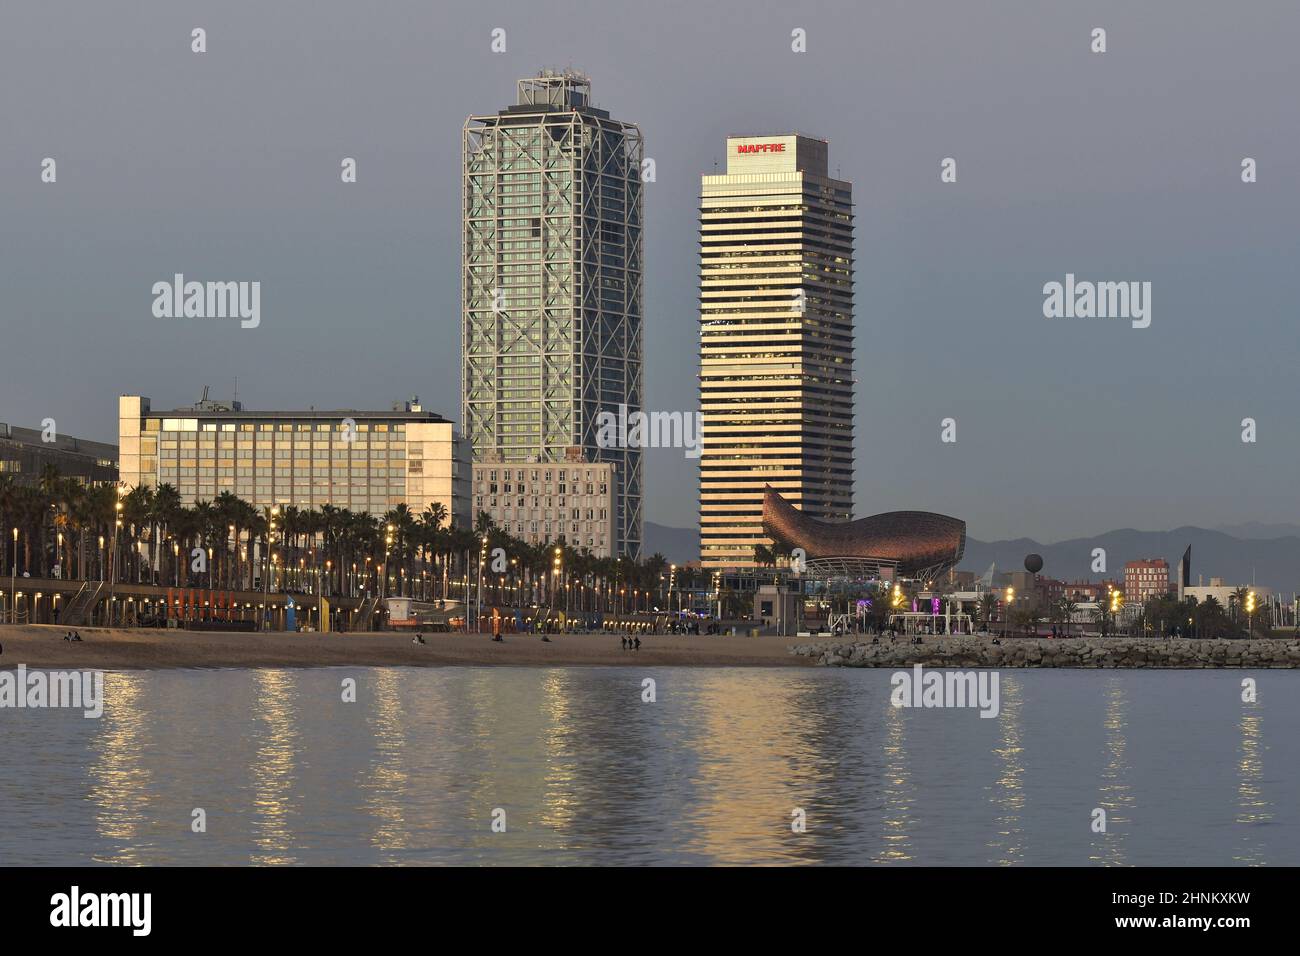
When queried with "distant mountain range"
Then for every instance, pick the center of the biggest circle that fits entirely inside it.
(678, 545)
(1256, 529)
(1239, 559)
(1266, 554)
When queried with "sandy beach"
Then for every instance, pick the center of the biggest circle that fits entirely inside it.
(40, 646)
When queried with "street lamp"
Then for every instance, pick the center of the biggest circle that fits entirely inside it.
(556, 567)
(388, 546)
(1006, 623)
(478, 609)
(112, 564)
(13, 582)
(270, 563)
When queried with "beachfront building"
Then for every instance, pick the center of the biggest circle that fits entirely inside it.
(365, 461)
(1146, 579)
(540, 502)
(1228, 594)
(25, 453)
(551, 278)
(776, 342)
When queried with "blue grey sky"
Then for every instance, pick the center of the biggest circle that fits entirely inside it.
(1116, 166)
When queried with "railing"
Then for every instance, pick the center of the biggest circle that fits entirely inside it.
(364, 614)
(82, 604)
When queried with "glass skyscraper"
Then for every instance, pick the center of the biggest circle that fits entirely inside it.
(551, 277)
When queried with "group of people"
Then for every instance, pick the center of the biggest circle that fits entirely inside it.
(72, 636)
(631, 642)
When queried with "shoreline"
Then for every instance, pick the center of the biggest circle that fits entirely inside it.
(1084, 653)
(41, 646)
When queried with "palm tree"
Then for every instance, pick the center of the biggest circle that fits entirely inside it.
(137, 507)
(51, 486)
(101, 511)
(32, 510)
(987, 608)
(402, 520)
(1101, 616)
(1237, 602)
(1068, 608)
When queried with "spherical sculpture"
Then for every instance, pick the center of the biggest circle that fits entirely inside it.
(1033, 563)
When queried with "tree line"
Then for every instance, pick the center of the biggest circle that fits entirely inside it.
(149, 535)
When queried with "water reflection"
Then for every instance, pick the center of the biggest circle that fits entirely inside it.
(387, 786)
(898, 791)
(561, 803)
(272, 772)
(1009, 790)
(1114, 795)
(1253, 810)
(589, 773)
(121, 781)
(749, 731)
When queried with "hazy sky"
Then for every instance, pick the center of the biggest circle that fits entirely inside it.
(1116, 166)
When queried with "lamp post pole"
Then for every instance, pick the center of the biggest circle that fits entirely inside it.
(270, 564)
(555, 576)
(478, 601)
(113, 558)
(13, 583)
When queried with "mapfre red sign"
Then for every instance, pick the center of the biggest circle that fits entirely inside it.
(760, 147)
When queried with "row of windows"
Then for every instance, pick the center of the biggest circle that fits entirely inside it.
(523, 489)
(547, 527)
(193, 425)
(520, 501)
(535, 472)
(509, 514)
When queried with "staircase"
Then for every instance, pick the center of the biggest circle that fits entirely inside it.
(78, 610)
(364, 614)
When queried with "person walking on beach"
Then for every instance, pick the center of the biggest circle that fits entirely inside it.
(638, 643)
(623, 641)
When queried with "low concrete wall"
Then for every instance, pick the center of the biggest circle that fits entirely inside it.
(1062, 652)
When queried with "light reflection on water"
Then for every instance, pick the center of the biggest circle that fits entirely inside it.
(272, 770)
(1008, 792)
(897, 791)
(119, 780)
(711, 772)
(1114, 794)
(1254, 810)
